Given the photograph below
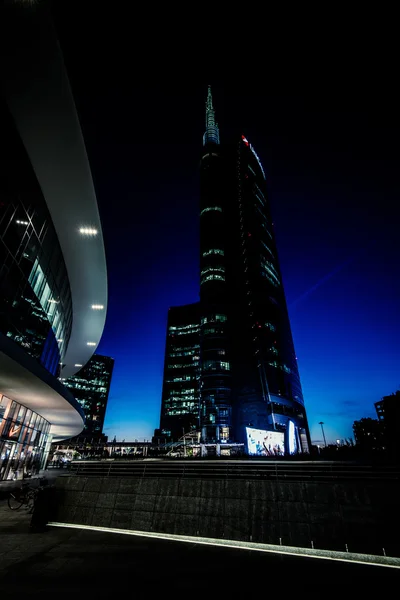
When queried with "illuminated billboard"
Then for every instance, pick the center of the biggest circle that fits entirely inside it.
(265, 443)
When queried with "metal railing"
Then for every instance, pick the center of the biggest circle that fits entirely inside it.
(282, 471)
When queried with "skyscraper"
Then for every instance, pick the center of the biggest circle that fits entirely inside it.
(181, 386)
(249, 380)
(90, 388)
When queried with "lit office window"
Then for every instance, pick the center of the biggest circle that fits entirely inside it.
(213, 251)
(211, 278)
(211, 208)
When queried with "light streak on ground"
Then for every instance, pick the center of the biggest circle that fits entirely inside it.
(348, 557)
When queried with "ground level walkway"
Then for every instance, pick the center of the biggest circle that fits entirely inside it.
(69, 562)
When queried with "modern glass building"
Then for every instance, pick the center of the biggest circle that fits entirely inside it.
(266, 382)
(250, 389)
(53, 279)
(216, 382)
(91, 387)
(180, 393)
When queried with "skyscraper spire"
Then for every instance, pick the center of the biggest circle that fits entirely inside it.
(211, 134)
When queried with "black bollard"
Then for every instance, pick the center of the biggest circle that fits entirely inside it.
(43, 509)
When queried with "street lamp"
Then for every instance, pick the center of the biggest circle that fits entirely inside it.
(323, 433)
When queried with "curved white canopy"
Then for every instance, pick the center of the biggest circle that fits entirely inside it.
(24, 380)
(40, 99)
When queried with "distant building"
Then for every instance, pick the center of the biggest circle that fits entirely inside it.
(368, 434)
(91, 387)
(388, 411)
(181, 384)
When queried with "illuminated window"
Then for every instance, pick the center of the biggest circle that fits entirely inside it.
(218, 269)
(260, 198)
(216, 365)
(181, 327)
(281, 367)
(213, 330)
(221, 318)
(210, 208)
(185, 353)
(269, 271)
(184, 330)
(224, 433)
(181, 366)
(267, 230)
(212, 277)
(213, 319)
(179, 379)
(213, 251)
(266, 247)
(261, 212)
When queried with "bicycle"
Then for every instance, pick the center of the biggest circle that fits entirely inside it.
(25, 496)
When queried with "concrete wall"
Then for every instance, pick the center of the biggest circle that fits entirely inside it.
(363, 516)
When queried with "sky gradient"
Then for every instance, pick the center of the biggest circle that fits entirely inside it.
(329, 149)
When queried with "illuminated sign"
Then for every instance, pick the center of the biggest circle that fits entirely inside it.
(292, 441)
(265, 443)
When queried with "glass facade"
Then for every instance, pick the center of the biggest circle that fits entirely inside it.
(91, 387)
(180, 394)
(247, 370)
(24, 440)
(268, 388)
(35, 297)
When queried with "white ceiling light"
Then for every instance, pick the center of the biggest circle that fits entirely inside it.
(60, 341)
(22, 222)
(97, 307)
(53, 301)
(76, 365)
(91, 343)
(88, 231)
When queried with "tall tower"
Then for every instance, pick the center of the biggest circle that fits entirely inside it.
(215, 388)
(248, 382)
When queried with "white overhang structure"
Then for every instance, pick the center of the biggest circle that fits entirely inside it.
(24, 380)
(39, 96)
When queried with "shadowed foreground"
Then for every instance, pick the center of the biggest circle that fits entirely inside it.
(66, 562)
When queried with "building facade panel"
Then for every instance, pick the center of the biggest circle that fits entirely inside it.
(180, 393)
(35, 296)
(91, 388)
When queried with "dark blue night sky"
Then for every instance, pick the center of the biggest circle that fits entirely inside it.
(329, 149)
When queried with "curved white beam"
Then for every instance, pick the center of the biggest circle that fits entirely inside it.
(40, 99)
